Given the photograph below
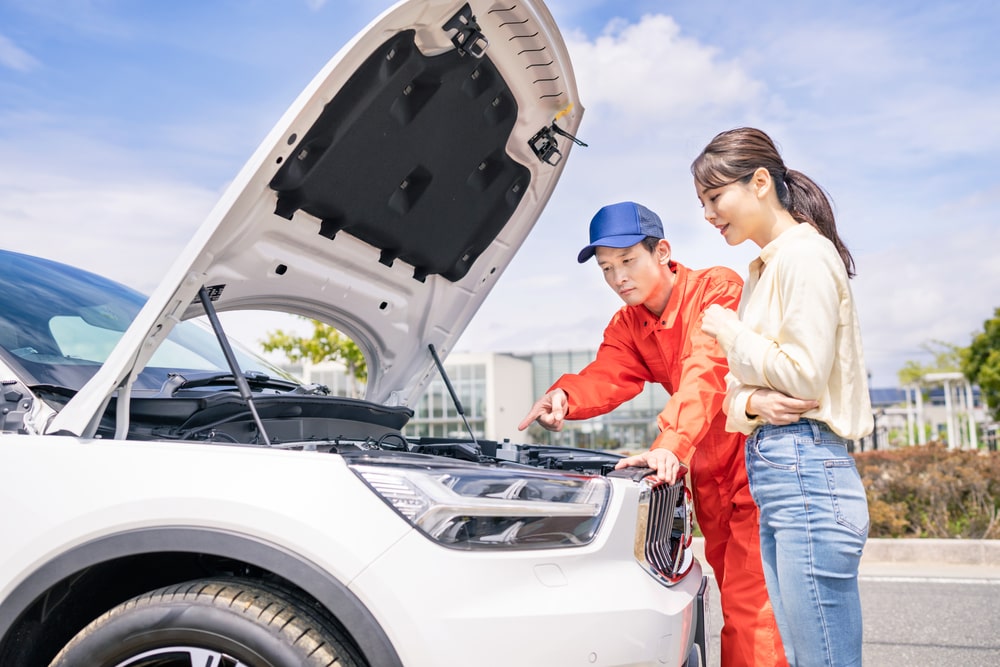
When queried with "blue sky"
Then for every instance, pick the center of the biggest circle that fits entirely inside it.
(122, 122)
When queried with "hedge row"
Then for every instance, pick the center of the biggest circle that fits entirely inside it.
(931, 491)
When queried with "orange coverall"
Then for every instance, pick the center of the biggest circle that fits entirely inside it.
(638, 348)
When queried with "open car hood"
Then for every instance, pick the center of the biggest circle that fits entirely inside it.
(386, 201)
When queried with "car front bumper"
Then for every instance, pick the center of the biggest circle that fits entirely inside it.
(591, 605)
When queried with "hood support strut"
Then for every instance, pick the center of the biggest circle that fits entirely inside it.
(234, 366)
(451, 390)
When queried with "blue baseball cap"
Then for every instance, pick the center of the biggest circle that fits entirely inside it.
(621, 225)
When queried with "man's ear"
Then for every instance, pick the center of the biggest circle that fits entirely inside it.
(663, 251)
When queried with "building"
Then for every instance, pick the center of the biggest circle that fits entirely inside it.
(497, 390)
(632, 426)
(493, 390)
(943, 407)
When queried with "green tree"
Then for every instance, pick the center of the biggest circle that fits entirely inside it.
(947, 358)
(981, 363)
(325, 344)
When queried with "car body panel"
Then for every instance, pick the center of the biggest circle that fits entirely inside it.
(124, 474)
(253, 258)
(601, 613)
(436, 605)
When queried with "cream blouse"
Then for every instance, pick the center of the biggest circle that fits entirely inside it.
(798, 333)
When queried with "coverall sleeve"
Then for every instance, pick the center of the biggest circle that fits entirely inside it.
(616, 375)
(698, 397)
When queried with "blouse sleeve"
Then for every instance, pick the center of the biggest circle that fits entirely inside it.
(798, 359)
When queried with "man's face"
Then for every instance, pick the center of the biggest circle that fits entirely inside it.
(635, 273)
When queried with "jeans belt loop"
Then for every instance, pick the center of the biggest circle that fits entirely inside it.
(814, 425)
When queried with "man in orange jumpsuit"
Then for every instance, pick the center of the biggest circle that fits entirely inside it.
(657, 337)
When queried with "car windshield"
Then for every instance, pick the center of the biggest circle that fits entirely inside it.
(58, 324)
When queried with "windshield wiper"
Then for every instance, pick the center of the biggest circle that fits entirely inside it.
(177, 381)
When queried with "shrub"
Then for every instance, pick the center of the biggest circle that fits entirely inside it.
(931, 491)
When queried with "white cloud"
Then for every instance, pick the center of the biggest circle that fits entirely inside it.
(649, 70)
(114, 222)
(939, 286)
(648, 113)
(14, 57)
(899, 128)
(847, 105)
(880, 76)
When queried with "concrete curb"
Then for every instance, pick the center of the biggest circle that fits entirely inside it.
(950, 552)
(984, 553)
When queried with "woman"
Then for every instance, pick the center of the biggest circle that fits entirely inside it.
(797, 387)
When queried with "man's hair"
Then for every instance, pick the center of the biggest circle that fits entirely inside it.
(650, 243)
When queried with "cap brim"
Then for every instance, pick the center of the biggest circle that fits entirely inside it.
(626, 241)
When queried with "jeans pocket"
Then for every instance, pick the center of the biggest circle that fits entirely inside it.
(776, 451)
(850, 505)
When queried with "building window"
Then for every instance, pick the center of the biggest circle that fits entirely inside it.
(435, 415)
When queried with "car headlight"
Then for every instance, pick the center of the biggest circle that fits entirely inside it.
(492, 508)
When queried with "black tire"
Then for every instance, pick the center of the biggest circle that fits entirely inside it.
(213, 622)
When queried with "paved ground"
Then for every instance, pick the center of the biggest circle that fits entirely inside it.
(896, 560)
(976, 559)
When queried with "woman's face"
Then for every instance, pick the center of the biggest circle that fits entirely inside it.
(733, 209)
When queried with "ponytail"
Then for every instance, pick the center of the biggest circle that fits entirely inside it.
(735, 155)
(808, 202)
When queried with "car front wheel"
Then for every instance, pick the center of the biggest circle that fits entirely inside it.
(208, 623)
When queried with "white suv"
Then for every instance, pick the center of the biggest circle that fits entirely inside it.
(171, 500)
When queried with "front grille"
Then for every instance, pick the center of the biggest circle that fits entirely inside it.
(663, 530)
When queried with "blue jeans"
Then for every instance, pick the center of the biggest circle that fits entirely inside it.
(813, 526)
